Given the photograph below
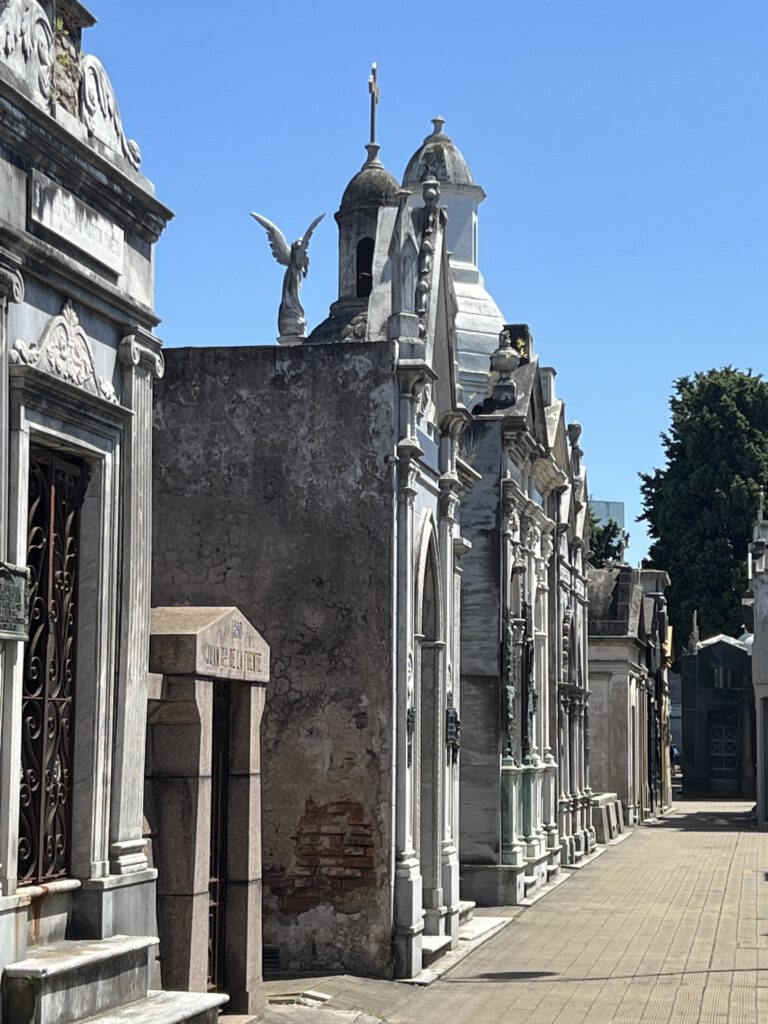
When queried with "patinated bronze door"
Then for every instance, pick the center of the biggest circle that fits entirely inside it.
(56, 488)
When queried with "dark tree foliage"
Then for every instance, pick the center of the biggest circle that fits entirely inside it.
(605, 542)
(701, 506)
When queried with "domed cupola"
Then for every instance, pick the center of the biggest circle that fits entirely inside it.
(438, 156)
(478, 318)
(370, 189)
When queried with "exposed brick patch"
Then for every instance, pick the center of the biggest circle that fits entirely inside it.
(335, 856)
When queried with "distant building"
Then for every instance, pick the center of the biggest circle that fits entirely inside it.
(629, 647)
(756, 614)
(605, 510)
(718, 720)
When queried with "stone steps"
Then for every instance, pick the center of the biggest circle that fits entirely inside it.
(97, 981)
(71, 980)
(466, 909)
(432, 947)
(166, 1008)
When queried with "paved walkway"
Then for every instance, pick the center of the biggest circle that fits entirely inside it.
(670, 925)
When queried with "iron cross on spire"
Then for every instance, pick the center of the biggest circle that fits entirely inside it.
(373, 89)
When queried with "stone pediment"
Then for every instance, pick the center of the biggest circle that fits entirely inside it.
(63, 352)
(216, 642)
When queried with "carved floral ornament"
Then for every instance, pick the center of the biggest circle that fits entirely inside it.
(28, 48)
(63, 352)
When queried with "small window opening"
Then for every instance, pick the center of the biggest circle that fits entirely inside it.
(364, 267)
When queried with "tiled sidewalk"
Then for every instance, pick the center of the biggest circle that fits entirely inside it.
(671, 925)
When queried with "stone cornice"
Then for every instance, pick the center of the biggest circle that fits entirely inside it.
(60, 271)
(123, 195)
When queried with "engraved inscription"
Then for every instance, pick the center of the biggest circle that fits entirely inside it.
(14, 598)
(217, 656)
(64, 215)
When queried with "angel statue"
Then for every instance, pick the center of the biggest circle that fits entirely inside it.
(290, 317)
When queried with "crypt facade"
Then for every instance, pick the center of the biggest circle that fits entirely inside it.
(78, 359)
(340, 540)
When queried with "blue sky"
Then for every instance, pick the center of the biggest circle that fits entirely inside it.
(622, 146)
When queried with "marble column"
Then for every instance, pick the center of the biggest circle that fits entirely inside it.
(11, 291)
(142, 363)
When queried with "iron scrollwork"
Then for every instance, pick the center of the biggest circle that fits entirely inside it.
(56, 491)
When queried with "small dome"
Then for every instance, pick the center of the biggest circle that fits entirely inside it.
(439, 157)
(371, 186)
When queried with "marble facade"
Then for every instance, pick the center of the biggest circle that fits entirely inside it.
(340, 541)
(630, 650)
(757, 614)
(78, 360)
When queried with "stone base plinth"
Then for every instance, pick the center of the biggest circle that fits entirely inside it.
(493, 885)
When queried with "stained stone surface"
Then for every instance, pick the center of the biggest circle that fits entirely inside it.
(295, 462)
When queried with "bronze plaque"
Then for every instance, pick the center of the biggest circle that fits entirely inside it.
(14, 602)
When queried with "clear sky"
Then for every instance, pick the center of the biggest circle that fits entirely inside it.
(622, 145)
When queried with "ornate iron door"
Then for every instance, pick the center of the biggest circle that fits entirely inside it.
(56, 489)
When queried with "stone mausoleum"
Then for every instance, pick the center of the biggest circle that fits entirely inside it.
(630, 648)
(340, 541)
(78, 360)
(410, 749)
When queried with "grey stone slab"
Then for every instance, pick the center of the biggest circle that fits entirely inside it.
(69, 981)
(166, 1008)
(216, 642)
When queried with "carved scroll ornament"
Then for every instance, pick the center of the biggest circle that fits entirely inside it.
(99, 111)
(26, 45)
(63, 351)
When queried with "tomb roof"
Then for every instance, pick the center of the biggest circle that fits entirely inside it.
(438, 156)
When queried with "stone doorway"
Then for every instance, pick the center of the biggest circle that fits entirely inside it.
(56, 490)
(723, 753)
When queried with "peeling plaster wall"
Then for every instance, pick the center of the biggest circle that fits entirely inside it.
(272, 493)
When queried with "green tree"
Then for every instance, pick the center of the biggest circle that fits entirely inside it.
(701, 506)
(605, 542)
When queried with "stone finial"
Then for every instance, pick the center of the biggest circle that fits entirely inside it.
(574, 433)
(504, 361)
(373, 155)
(438, 122)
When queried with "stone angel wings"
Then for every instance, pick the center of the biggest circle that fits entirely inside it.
(290, 318)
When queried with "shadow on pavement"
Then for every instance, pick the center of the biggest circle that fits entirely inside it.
(715, 820)
(535, 975)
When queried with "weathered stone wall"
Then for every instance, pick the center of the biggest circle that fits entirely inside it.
(273, 493)
(481, 651)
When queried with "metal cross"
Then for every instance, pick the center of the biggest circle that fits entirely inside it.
(373, 89)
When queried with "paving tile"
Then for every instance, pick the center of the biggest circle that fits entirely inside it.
(670, 926)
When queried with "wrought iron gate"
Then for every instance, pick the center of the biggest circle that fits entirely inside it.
(217, 885)
(56, 488)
